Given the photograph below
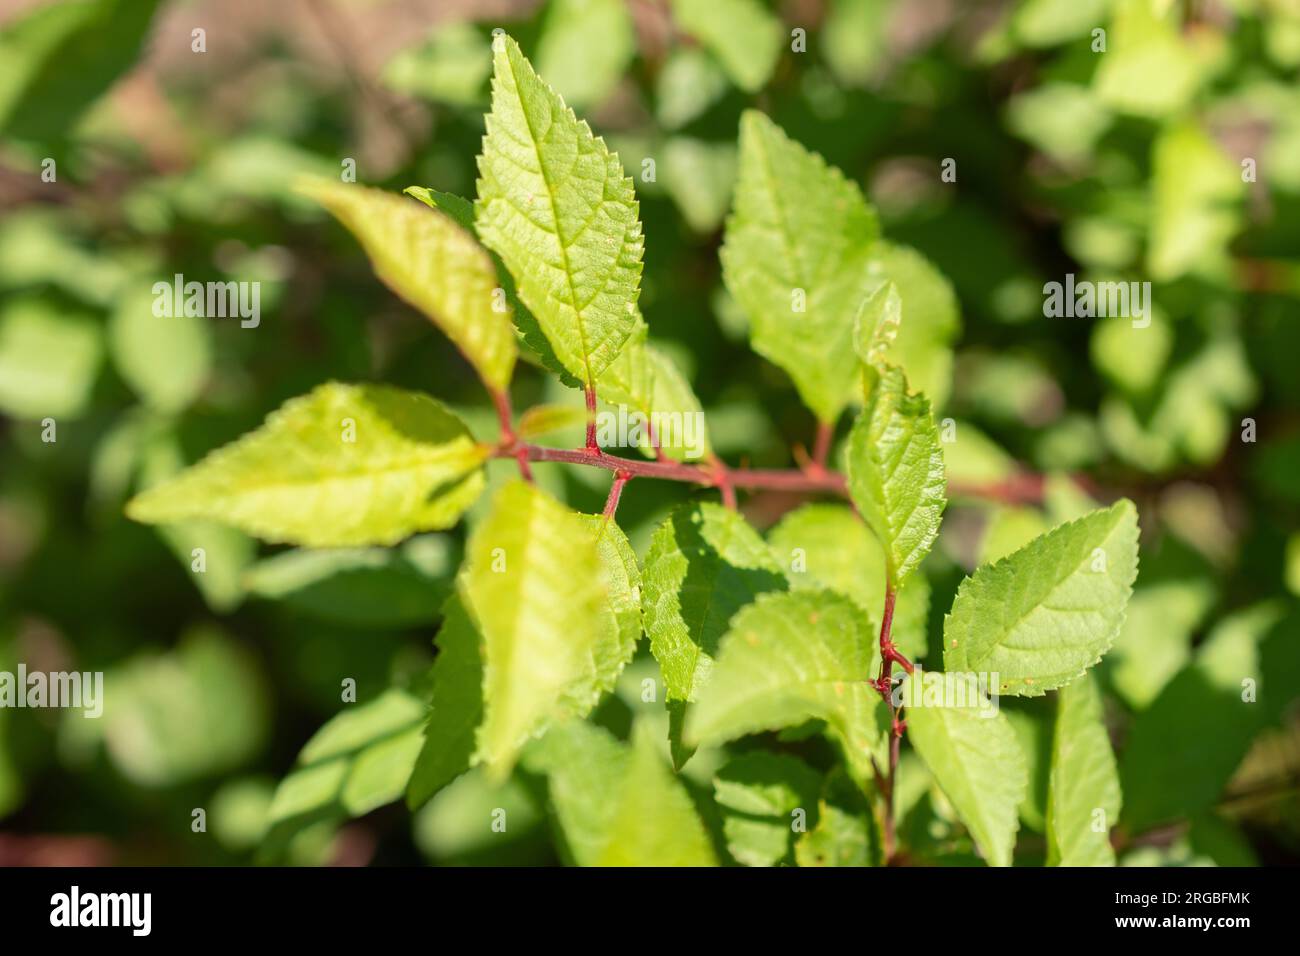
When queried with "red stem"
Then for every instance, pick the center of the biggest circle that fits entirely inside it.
(505, 419)
(505, 415)
(822, 445)
(889, 654)
(771, 479)
(621, 478)
(591, 420)
(660, 455)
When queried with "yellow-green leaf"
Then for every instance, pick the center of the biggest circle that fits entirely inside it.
(532, 584)
(796, 258)
(435, 265)
(742, 35)
(895, 471)
(974, 755)
(342, 465)
(1041, 616)
(649, 384)
(619, 805)
(788, 658)
(554, 204)
(1083, 797)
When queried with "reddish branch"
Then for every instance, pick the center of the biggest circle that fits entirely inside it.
(592, 446)
(822, 446)
(889, 655)
(505, 418)
(715, 474)
(621, 478)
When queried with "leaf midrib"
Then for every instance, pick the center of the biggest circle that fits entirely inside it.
(315, 480)
(555, 215)
(1020, 619)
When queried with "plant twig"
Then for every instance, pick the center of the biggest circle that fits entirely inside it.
(889, 654)
(822, 446)
(723, 480)
(621, 478)
(592, 446)
(772, 479)
(505, 420)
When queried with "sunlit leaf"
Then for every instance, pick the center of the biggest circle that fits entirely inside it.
(436, 266)
(554, 204)
(343, 465)
(1042, 616)
(796, 258)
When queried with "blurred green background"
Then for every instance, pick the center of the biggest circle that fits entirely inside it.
(1172, 156)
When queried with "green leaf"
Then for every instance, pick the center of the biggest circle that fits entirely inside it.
(689, 82)
(585, 766)
(1046, 23)
(1198, 194)
(49, 358)
(1083, 792)
(165, 359)
(1155, 642)
(456, 709)
(214, 556)
(462, 211)
(342, 465)
(976, 760)
(829, 546)
(435, 265)
(619, 805)
(763, 797)
(620, 612)
(799, 230)
(895, 472)
(1132, 357)
(554, 204)
(533, 585)
(542, 420)
(704, 564)
(1150, 68)
(648, 382)
(1182, 750)
(846, 833)
(198, 710)
(699, 176)
(1042, 616)
(456, 827)
(1033, 729)
(875, 328)
(584, 47)
(1063, 120)
(654, 822)
(366, 587)
(791, 657)
(743, 35)
(61, 58)
(931, 318)
(40, 246)
(855, 39)
(358, 761)
(455, 737)
(451, 66)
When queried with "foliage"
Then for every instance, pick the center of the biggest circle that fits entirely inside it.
(905, 569)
